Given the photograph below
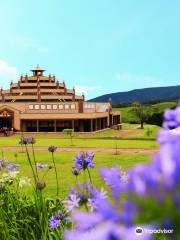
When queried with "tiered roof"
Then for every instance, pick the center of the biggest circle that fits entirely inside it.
(38, 87)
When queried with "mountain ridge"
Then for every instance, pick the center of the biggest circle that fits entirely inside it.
(141, 95)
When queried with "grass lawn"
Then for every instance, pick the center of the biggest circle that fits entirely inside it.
(129, 137)
(105, 143)
(128, 116)
(64, 163)
(134, 132)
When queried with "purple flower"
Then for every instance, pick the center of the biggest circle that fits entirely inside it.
(84, 194)
(52, 148)
(13, 167)
(27, 140)
(40, 165)
(108, 231)
(54, 222)
(82, 191)
(107, 211)
(84, 160)
(75, 171)
(56, 219)
(172, 118)
(86, 221)
(156, 183)
(72, 202)
(114, 179)
(95, 197)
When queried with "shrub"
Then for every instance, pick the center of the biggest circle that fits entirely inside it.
(69, 132)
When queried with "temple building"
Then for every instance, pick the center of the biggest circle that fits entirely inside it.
(40, 103)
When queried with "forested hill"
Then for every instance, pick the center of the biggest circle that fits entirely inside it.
(142, 95)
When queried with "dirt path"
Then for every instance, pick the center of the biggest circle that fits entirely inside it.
(85, 149)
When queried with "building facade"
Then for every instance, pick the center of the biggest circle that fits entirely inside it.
(39, 103)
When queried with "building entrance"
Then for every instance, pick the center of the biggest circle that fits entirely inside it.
(5, 122)
(6, 119)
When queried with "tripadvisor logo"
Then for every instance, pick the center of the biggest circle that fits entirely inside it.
(139, 230)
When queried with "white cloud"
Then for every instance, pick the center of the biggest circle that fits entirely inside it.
(8, 73)
(86, 89)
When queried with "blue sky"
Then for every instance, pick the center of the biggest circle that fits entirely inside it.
(98, 46)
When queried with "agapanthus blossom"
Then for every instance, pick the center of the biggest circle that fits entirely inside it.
(115, 178)
(13, 167)
(152, 191)
(75, 171)
(40, 165)
(54, 222)
(52, 148)
(172, 118)
(107, 231)
(84, 160)
(84, 194)
(27, 140)
(72, 202)
(162, 174)
(96, 195)
(56, 219)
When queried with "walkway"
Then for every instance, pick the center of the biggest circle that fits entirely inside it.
(85, 149)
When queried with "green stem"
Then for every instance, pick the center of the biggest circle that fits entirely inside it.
(30, 163)
(45, 174)
(22, 147)
(57, 184)
(35, 163)
(84, 175)
(89, 175)
(76, 180)
(2, 153)
(86, 207)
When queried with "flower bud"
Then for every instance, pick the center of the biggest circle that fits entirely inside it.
(40, 185)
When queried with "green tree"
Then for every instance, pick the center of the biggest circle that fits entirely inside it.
(142, 112)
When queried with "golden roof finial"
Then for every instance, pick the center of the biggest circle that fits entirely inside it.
(37, 67)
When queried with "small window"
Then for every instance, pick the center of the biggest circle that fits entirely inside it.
(67, 106)
(48, 106)
(73, 106)
(61, 106)
(31, 107)
(43, 107)
(54, 107)
(36, 107)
